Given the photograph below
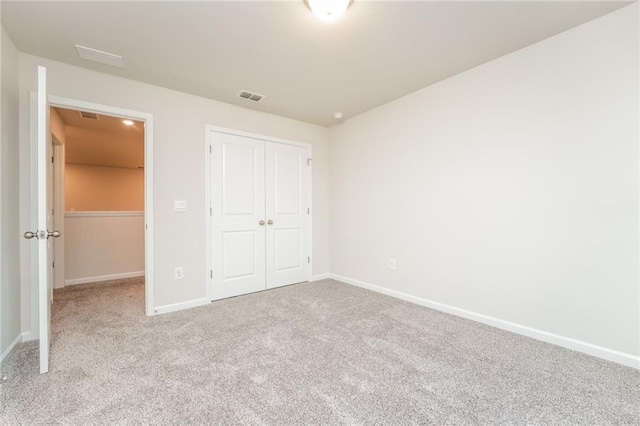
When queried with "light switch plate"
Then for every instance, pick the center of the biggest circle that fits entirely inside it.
(180, 206)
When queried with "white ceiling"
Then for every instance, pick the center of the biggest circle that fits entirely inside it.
(102, 142)
(308, 69)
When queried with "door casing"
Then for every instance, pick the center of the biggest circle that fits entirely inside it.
(147, 118)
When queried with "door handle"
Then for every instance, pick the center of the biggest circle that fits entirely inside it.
(54, 234)
(269, 222)
(29, 235)
(261, 223)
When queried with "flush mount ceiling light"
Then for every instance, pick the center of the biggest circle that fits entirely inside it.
(328, 10)
(127, 122)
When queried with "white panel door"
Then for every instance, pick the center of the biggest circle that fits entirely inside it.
(238, 212)
(288, 192)
(41, 234)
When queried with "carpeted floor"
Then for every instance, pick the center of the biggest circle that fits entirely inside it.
(313, 353)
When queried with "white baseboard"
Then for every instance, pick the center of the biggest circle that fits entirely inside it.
(320, 277)
(180, 306)
(566, 342)
(10, 348)
(100, 278)
(27, 337)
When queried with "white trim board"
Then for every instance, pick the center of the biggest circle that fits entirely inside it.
(100, 278)
(10, 348)
(102, 214)
(234, 132)
(566, 342)
(320, 277)
(165, 309)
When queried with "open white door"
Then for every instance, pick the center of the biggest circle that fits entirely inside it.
(42, 234)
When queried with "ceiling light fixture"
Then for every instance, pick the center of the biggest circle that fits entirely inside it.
(337, 115)
(127, 122)
(328, 10)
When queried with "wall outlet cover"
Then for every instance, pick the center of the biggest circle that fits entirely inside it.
(178, 273)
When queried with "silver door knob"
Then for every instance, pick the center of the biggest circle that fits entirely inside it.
(54, 234)
(261, 223)
(269, 222)
(29, 235)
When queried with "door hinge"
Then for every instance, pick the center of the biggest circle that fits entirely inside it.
(308, 161)
(210, 149)
(308, 259)
(52, 158)
(52, 213)
(210, 211)
(211, 273)
(308, 211)
(53, 264)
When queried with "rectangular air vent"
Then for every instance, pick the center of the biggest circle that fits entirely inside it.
(89, 115)
(99, 56)
(251, 96)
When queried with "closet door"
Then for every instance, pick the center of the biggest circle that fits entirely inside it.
(288, 179)
(238, 213)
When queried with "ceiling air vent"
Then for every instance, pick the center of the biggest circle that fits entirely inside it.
(89, 115)
(250, 96)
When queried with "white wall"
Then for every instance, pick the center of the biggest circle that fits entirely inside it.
(9, 215)
(179, 168)
(510, 191)
(103, 246)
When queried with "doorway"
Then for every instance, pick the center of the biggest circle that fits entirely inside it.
(102, 178)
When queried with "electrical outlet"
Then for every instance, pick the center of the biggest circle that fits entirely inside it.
(178, 273)
(392, 263)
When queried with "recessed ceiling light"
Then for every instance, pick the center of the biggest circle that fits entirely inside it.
(127, 122)
(337, 115)
(96, 55)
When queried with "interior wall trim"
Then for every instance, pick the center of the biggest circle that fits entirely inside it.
(164, 309)
(10, 348)
(100, 278)
(566, 342)
(103, 214)
(320, 277)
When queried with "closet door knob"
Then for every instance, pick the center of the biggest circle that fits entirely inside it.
(269, 222)
(261, 223)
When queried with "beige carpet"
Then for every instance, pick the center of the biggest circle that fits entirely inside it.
(313, 353)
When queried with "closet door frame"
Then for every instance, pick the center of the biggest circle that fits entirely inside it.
(210, 131)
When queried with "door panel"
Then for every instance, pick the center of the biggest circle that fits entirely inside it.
(238, 250)
(287, 183)
(288, 247)
(287, 180)
(238, 204)
(239, 179)
(45, 291)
